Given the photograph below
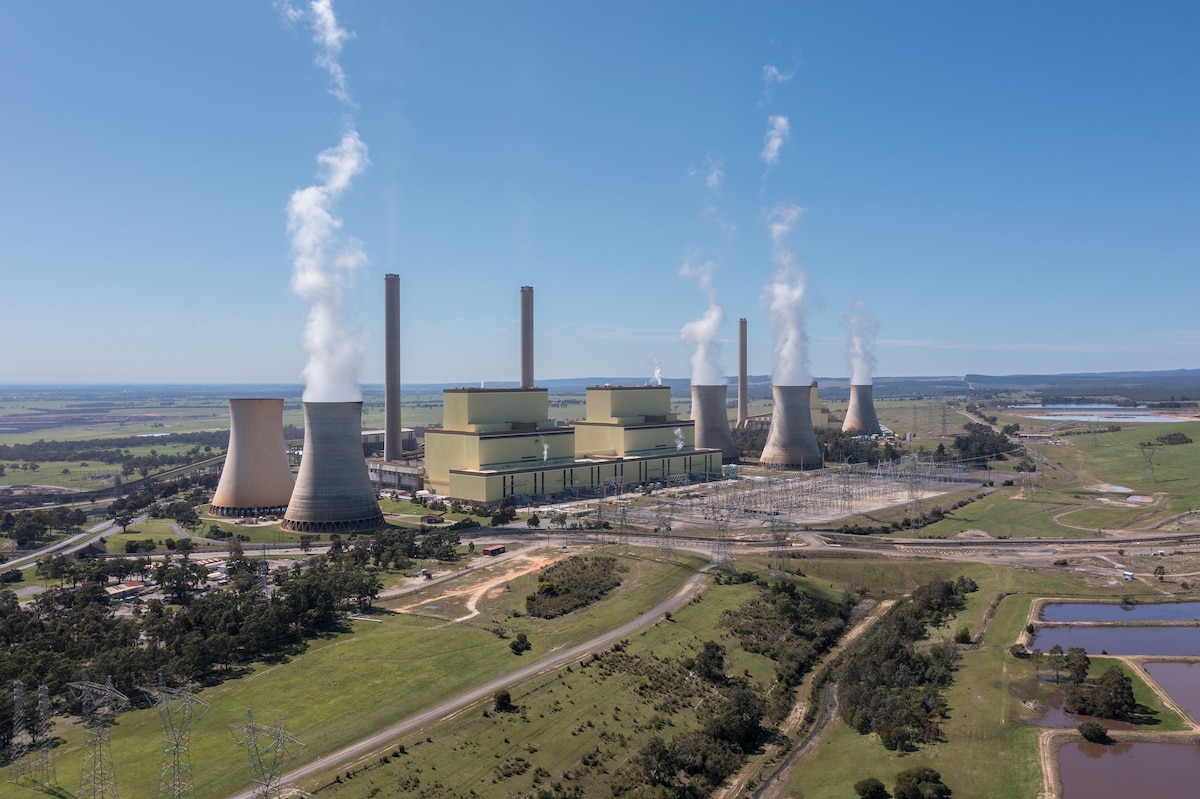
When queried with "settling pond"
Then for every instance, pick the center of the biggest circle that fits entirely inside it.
(1095, 771)
(1110, 612)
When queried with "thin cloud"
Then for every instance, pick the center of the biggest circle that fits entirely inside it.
(772, 77)
(777, 134)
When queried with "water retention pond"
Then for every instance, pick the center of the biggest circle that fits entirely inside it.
(1130, 768)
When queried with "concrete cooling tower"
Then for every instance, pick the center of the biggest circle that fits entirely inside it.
(256, 479)
(712, 421)
(860, 415)
(791, 442)
(333, 493)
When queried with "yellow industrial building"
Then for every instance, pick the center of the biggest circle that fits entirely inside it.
(500, 443)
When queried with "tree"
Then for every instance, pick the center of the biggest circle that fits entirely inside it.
(533, 521)
(1093, 732)
(124, 520)
(520, 644)
(1056, 658)
(1160, 572)
(502, 701)
(1077, 663)
(920, 783)
(710, 662)
(871, 788)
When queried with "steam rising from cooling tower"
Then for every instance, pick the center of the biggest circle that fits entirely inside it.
(785, 294)
(860, 349)
(701, 334)
(791, 442)
(323, 262)
(333, 493)
(257, 478)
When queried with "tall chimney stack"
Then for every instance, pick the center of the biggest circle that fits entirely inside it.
(743, 405)
(527, 337)
(393, 434)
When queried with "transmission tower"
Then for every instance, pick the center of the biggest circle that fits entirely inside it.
(267, 748)
(43, 771)
(18, 751)
(1148, 451)
(719, 512)
(177, 709)
(664, 517)
(99, 702)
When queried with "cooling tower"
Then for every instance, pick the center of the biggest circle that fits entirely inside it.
(712, 421)
(860, 415)
(393, 448)
(791, 442)
(526, 336)
(333, 493)
(743, 407)
(256, 478)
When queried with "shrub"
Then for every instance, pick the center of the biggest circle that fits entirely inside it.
(1093, 732)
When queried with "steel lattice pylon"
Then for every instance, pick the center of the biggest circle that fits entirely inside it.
(100, 702)
(18, 753)
(267, 749)
(42, 770)
(176, 712)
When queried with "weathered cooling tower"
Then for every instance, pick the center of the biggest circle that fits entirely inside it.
(256, 478)
(333, 493)
(526, 336)
(743, 407)
(791, 442)
(393, 431)
(860, 415)
(712, 421)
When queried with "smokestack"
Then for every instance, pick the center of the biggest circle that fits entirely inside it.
(712, 421)
(392, 428)
(333, 493)
(860, 415)
(526, 336)
(256, 478)
(792, 442)
(743, 408)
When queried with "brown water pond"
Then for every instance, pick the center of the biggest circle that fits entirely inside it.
(1119, 771)
(1121, 640)
(1055, 716)
(1182, 682)
(1111, 612)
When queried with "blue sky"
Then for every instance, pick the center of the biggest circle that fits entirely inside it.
(1009, 187)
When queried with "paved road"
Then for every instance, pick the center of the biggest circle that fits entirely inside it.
(388, 735)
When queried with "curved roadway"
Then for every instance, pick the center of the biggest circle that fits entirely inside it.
(387, 735)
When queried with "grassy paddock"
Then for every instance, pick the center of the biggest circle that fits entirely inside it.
(345, 686)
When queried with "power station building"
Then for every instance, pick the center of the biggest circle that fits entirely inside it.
(500, 443)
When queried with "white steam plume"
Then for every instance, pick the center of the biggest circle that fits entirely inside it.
(860, 347)
(323, 262)
(701, 334)
(777, 133)
(785, 296)
(327, 35)
(322, 268)
(656, 378)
